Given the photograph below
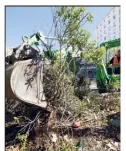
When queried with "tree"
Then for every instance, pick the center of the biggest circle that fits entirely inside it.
(93, 54)
(69, 22)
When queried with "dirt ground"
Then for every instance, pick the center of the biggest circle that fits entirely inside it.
(96, 130)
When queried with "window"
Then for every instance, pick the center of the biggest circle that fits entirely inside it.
(104, 26)
(114, 30)
(109, 22)
(114, 17)
(114, 24)
(104, 31)
(104, 38)
(92, 74)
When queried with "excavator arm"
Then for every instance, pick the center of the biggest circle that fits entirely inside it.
(102, 77)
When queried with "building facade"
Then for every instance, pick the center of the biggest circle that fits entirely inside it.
(109, 26)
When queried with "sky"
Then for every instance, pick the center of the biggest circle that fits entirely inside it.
(24, 21)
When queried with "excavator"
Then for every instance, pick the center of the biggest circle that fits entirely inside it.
(106, 77)
(24, 70)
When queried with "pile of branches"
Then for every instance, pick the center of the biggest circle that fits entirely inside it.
(59, 92)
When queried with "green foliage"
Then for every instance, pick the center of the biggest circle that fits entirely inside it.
(23, 140)
(90, 17)
(80, 39)
(71, 20)
(114, 81)
(93, 54)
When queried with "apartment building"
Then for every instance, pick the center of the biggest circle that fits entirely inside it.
(109, 26)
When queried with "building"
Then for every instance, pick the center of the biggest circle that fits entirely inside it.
(109, 26)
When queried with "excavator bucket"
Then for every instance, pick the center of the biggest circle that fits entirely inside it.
(24, 82)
